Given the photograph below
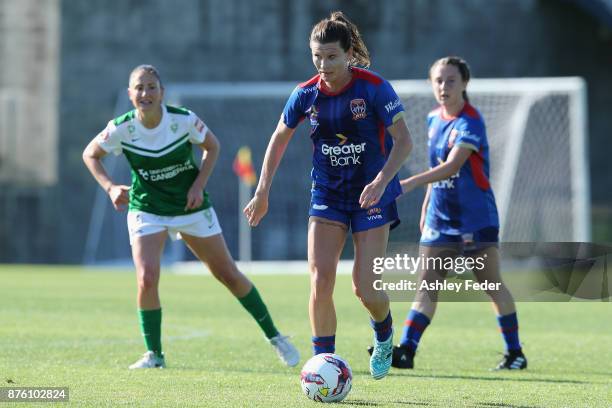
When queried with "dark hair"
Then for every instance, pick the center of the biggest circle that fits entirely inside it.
(339, 28)
(147, 68)
(462, 66)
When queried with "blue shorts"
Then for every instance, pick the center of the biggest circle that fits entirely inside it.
(358, 220)
(469, 242)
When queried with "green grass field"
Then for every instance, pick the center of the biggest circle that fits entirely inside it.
(68, 327)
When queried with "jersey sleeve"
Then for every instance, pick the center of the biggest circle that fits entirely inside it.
(197, 129)
(110, 139)
(293, 112)
(470, 134)
(388, 105)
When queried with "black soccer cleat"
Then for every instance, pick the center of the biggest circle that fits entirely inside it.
(513, 360)
(403, 357)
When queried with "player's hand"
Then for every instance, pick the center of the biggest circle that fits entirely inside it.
(408, 185)
(195, 197)
(119, 195)
(256, 209)
(371, 194)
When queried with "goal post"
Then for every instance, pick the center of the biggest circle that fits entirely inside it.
(537, 132)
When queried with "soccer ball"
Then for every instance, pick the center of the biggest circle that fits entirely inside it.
(326, 377)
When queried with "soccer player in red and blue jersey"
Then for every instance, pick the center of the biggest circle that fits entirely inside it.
(360, 141)
(459, 210)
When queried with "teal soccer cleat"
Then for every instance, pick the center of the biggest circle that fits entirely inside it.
(381, 358)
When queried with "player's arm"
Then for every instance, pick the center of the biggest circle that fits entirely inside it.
(456, 158)
(424, 208)
(402, 145)
(258, 206)
(210, 153)
(92, 156)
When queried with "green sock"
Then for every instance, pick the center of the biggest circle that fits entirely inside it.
(257, 308)
(150, 327)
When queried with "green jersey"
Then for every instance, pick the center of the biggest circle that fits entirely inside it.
(161, 159)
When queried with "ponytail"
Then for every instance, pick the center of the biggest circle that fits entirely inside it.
(339, 28)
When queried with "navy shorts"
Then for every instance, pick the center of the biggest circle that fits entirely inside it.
(469, 242)
(358, 220)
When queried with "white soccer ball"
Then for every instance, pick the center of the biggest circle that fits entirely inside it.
(326, 377)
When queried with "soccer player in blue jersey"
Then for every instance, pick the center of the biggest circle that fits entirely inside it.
(360, 141)
(168, 197)
(459, 210)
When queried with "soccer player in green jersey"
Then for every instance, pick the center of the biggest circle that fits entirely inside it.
(168, 197)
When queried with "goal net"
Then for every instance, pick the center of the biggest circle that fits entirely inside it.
(537, 131)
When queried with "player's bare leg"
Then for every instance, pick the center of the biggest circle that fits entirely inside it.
(325, 242)
(146, 252)
(214, 253)
(368, 245)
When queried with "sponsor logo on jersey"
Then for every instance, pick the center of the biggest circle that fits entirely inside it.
(391, 106)
(448, 183)
(342, 138)
(165, 173)
(319, 207)
(344, 155)
(358, 108)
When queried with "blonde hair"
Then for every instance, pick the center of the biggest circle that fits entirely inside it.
(147, 68)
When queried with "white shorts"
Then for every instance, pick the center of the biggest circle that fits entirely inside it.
(200, 224)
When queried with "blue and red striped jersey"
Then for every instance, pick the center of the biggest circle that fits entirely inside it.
(349, 135)
(464, 202)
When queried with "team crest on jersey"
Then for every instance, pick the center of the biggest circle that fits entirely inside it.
(374, 214)
(131, 128)
(174, 127)
(313, 114)
(452, 137)
(374, 211)
(358, 108)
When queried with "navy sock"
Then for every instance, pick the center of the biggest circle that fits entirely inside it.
(383, 329)
(414, 326)
(323, 344)
(508, 326)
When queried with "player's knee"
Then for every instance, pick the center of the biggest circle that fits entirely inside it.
(227, 273)
(357, 291)
(368, 295)
(322, 283)
(147, 281)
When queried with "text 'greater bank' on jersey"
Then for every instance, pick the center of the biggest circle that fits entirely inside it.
(464, 202)
(349, 134)
(161, 159)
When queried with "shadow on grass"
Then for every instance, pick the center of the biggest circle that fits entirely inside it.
(501, 405)
(376, 404)
(481, 378)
